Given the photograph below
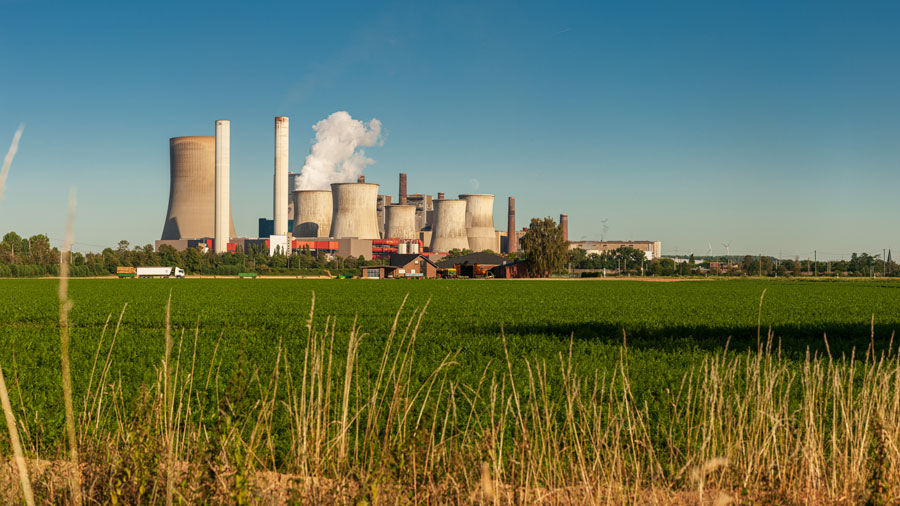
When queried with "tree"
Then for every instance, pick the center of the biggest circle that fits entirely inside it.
(544, 247)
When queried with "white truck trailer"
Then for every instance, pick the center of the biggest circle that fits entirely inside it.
(160, 272)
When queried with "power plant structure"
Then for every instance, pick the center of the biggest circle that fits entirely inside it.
(480, 222)
(312, 213)
(280, 198)
(351, 219)
(449, 230)
(223, 182)
(401, 222)
(192, 189)
(353, 210)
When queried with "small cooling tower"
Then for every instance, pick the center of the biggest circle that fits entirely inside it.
(354, 211)
(312, 213)
(400, 222)
(449, 227)
(480, 222)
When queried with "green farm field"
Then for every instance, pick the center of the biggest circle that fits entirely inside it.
(242, 345)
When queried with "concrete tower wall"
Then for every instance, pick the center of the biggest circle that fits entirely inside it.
(353, 210)
(512, 243)
(312, 213)
(292, 187)
(480, 222)
(449, 227)
(192, 189)
(280, 198)
(223, 176)
(400, 222)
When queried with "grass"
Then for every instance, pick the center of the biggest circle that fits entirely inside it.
(385, 413)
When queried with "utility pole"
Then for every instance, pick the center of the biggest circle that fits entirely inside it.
(760, 264)
(884, 262)
(816, 263)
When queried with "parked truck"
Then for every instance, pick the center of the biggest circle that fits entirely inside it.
(150, 272)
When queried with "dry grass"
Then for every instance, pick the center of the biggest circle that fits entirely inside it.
(753, 428)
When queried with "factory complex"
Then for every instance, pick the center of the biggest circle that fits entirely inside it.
(349, 219)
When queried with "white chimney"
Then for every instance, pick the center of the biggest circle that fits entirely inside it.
(223, 169)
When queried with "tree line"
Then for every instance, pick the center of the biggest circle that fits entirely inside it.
(34, 256)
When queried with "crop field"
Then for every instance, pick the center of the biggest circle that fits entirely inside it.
(510, 391)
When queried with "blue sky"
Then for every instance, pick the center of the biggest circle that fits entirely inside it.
(774, 126)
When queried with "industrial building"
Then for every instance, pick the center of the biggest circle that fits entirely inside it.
(350, 219)
(651, 249)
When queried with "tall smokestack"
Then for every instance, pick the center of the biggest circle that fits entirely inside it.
(564, 225)
(223, 197)
(280, 202)
(361, 178)
(512, 241)
(440, 195)
(402, 189)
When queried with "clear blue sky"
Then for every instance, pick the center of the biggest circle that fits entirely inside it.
(772, 125)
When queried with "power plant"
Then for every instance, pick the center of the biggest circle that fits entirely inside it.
(449, 230)
(480, 222)
(223, 181)
(400, 222)
(312, 213)
(192, 189)
(353, 210)
(350, 219)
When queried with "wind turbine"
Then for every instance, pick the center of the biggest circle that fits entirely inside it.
(727, 253)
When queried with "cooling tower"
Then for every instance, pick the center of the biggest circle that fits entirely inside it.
(223, 181)
(353, 210)
(312, 213)
(564, 225)
(280, 198)
(400, 222)
(192, 189)
(480, 222)
(292, 187)
(512, 243)
(449, 228)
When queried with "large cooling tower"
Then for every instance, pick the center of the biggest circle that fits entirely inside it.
(449, 228)
(192, 189)
(312, 213)
(223, 186)
(400, 222)
(480, 222)
(353, 210)
(280, 198)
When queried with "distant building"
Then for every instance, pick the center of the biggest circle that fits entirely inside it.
(402, 266)
(474, 264)
(651, 249)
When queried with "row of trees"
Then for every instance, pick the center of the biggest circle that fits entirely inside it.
(542, 246)
(34, 256)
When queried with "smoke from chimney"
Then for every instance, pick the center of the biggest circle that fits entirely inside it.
(337, 156)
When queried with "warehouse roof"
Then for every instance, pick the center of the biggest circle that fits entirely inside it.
(480, 258)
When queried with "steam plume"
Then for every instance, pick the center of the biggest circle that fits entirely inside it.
(337, 155)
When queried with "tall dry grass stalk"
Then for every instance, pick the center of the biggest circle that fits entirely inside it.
(16, 443)
(10, 154)
(11, 425)
(64, 306)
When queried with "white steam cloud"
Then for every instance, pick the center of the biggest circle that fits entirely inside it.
(337, 156)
